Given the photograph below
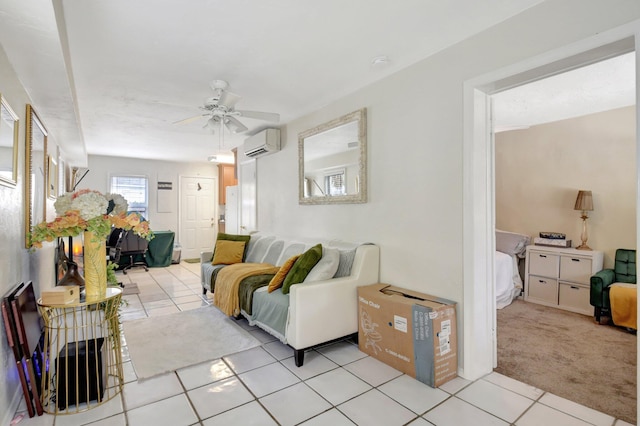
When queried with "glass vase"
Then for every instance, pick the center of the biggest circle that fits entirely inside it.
(95, 266)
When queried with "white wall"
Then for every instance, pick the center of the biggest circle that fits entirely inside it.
(16, 263)
(102, 167)
(415, 134)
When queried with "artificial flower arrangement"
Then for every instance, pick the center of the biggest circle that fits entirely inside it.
(94, 214)
(88, 210)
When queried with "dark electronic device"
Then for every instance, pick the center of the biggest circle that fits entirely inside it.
(76, 361)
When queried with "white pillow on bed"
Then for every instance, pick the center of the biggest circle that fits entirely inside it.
(326, 267)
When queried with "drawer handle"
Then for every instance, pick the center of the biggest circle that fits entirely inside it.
(575, 260)
(542, 255)
(542, 281)
(573, 287)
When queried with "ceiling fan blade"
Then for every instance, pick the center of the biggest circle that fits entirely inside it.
(189, 120)
(234, 125)
(258, 115)
(229, 99)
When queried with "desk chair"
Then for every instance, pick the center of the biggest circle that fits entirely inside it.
(135, 247)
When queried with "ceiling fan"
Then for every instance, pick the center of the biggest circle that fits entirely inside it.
(222, 113)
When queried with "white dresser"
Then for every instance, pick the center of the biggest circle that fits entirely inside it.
(560, 277)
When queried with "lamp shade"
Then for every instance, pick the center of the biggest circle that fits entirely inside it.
(584, 201)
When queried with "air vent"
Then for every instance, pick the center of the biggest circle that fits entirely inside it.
(263, 143)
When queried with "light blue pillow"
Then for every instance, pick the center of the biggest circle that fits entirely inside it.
(346, 262)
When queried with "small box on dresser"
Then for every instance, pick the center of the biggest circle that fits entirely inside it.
(560, 277)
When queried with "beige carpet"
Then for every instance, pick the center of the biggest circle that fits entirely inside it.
(167, 343)
(194, 260)
(570, 356)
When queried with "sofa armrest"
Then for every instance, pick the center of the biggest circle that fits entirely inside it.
(322, 311)
(600, 282)
(325, 310)
(206, 256)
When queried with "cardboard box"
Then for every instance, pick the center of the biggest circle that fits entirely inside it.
(61, 295)
(410, 331)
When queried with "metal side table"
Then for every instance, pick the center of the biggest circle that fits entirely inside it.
(82, 353)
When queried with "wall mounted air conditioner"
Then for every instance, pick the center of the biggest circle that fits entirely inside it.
(262, 143)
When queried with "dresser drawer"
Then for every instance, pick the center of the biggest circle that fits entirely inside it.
(543, 289)
(543, 264)
(575, 269)
(575, 298)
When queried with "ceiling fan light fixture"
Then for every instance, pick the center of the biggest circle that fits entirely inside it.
(212, 124)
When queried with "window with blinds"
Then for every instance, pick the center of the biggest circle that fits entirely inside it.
(135, 190)
(335, 183)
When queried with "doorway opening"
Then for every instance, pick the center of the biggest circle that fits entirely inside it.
(479, 313)
(553, 137)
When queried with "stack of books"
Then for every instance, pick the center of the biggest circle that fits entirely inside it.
(552, 239)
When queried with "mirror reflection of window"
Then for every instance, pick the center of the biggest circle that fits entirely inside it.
(334, 183)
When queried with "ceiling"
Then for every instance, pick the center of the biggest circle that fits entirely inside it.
(598, 87)
(111, 77)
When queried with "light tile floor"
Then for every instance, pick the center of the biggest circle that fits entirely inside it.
(337, 385)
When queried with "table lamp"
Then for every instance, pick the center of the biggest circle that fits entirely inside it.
(584, 203)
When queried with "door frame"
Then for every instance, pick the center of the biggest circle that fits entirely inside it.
(479, 313)
(247, 205)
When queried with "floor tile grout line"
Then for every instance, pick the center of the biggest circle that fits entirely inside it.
(535, 401)
(186, 395)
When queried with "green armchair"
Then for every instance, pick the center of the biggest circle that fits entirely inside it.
(624, 272)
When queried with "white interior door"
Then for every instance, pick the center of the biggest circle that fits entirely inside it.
(198, 215)
(248, 197)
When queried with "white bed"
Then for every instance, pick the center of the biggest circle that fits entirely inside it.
(510, 247)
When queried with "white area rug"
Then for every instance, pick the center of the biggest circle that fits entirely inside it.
(167, 343)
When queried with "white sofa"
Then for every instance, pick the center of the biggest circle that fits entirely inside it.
(312, 313)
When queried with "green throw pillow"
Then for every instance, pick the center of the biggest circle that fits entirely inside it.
(302, 267)
(232, 237)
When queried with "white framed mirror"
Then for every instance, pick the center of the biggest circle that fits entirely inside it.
(332, 161)
(35, 172)
(8, 145)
